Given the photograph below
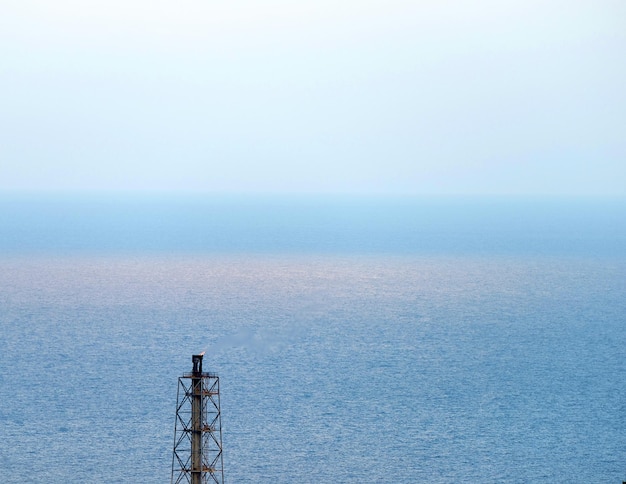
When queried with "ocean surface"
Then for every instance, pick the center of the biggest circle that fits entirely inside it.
(356, 340)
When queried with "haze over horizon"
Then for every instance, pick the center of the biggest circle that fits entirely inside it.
(368, 98)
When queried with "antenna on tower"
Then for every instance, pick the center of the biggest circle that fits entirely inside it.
(197, 455)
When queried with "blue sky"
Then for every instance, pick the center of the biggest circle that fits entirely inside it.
(331, 97)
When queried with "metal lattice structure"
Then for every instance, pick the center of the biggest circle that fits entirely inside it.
(197, 456)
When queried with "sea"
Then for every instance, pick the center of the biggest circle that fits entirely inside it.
(357, 339)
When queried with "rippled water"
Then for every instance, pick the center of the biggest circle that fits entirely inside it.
(356, 340)
(333, 368)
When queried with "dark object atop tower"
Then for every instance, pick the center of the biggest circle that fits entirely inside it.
(197, 363)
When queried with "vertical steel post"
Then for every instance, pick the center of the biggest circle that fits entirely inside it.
(196, 420)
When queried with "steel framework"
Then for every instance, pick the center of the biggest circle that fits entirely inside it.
(197, 456)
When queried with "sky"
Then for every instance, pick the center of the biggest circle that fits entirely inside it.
(390, 97)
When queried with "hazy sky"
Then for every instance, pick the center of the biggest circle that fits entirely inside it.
(342, 96)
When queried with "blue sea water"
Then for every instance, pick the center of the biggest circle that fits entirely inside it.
(356, 340)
